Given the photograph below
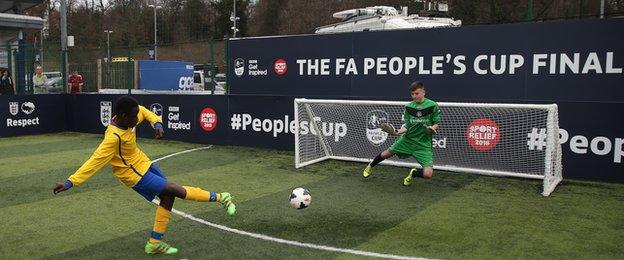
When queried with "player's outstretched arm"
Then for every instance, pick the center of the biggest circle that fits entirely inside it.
(102, 155)
(154, 120)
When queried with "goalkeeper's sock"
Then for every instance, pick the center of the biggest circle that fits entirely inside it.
(417, 173)
(160, 224)
(376, 161)
(197, 194)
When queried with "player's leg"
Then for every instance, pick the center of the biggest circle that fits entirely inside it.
(154, 183)
(163, 214)
(151, 185)
(198, 194)
(382, 156)
(426, 161)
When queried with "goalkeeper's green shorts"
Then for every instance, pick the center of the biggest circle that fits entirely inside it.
(403, 150)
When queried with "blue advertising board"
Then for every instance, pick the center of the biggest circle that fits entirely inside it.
(32, 114)
(193, 118)
(165, 75)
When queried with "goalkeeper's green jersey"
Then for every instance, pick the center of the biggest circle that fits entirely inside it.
(417, 116)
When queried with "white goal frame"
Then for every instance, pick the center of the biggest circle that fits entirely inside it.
(551, 176)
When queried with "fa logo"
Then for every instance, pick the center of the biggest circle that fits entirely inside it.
(106, 112)
(13, 108)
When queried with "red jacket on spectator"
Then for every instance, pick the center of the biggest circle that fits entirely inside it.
(75, 83)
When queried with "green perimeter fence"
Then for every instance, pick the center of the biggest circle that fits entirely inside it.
(120, 71)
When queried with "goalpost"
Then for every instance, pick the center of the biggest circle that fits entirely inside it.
(513, 140)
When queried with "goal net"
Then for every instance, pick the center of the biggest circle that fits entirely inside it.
(515, 140)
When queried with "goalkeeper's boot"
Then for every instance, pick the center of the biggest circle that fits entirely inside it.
(227, 200)
(408, 180)
(367, 171)
(160, 248)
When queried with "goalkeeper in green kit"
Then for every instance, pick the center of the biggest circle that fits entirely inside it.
(422, 119)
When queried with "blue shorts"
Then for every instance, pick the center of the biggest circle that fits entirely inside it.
(152, 183)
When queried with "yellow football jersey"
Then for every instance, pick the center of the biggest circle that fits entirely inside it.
(120, 148)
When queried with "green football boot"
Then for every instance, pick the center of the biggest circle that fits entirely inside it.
(227, 200)
(160, 248)
(408, 180)
(367, 171)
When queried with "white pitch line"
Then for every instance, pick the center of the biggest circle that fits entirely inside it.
(275, 239)
(182, 152)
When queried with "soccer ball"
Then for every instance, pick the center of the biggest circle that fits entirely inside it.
(300, 198)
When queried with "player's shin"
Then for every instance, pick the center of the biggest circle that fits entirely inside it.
(417, 173)
(160, 224)
(197, 194)
(377, 160)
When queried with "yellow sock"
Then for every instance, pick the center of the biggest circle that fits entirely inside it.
(197, 194)
(160, 224)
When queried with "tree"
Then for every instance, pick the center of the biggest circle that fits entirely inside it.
(198, 16)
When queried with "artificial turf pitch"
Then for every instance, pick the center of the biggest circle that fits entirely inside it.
(452, 216)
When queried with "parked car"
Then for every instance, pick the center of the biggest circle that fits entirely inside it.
(54, 81)
(220, 87)
(220, 80)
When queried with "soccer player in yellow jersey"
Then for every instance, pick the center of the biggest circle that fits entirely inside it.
(133, 168)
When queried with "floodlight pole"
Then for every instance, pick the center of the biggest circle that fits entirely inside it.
(108, 57)
(234, 18)
(65, 67)
(155, 6)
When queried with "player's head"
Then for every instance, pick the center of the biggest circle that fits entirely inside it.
(417, 90)
(126, 111)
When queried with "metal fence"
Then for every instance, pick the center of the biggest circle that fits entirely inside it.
(99, 72)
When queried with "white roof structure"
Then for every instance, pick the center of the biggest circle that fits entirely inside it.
(20, 21)
(379, 18)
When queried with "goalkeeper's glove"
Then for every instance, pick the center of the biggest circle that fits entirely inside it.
(388, 128)
(431, 130)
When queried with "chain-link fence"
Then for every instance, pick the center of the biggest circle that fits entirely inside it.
(36, 70)
(122, 70)
(19, 63)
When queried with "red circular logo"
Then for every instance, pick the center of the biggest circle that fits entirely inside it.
(483, 134)
(280, 67)
(208, 119)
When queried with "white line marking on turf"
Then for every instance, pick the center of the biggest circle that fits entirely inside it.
(274, 239)
(290, 242)
(182, 152)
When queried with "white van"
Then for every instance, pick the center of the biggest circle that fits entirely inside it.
(199, 81)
